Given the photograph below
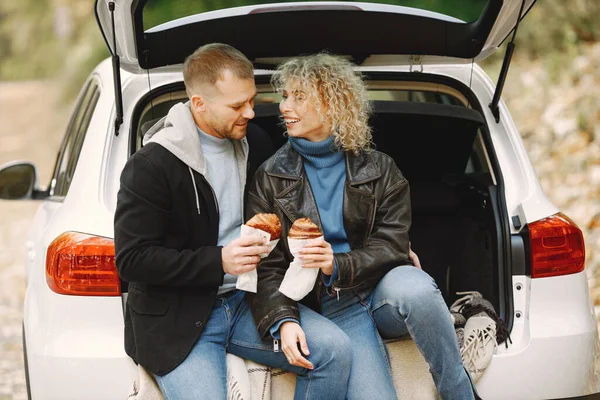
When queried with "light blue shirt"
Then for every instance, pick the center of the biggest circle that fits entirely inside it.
(223, 176)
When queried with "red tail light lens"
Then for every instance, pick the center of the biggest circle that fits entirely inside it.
(82, 265)
(557, 247)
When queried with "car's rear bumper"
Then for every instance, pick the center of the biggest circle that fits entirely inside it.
(75, 348)
(92, 378)
(555, 351)
(594, 396)
(551, 368)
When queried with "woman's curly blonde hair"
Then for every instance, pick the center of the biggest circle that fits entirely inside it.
(336, 91)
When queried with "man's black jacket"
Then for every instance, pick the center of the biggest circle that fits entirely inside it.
(166, 249)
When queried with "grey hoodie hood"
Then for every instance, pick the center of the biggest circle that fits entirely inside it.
(178, 133)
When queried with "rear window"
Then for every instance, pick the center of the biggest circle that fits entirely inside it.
(157, 12)
(384, 91)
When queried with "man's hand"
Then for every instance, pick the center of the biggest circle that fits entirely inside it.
(318, 254)
(243, 254)
(414, 257)
(292, 335)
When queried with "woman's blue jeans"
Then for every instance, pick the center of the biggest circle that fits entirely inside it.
(406, 300)
(230, 328)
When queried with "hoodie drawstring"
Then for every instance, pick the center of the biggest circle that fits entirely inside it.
(195, 190)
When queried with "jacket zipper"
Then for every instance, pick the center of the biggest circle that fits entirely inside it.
(195, 189)
(216, 203)
(211, 190)
(214, 197)
(338, 289)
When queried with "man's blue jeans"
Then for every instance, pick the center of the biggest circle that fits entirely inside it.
(230, 328)
(406, 300)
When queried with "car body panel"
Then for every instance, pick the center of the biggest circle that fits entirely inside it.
(73, 340)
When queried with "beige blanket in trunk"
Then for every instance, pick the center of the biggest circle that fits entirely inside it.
(247, 380)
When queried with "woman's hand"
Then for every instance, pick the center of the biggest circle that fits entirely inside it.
(292, 335)
(318, 254)
(414, 257)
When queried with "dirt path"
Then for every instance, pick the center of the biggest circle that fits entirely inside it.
(31, 127)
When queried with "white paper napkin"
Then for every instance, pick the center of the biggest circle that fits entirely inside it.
(298, 281)
(249, 280)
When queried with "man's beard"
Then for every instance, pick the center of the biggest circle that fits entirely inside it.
(227, 132)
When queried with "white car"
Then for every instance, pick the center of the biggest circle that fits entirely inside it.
(480, 219)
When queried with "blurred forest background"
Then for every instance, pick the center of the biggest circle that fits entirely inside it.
(48, 48)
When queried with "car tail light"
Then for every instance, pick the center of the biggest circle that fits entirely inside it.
(82, 265)
(557, 247)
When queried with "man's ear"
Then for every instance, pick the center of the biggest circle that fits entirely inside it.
(198, 103)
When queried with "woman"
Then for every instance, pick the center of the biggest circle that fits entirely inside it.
(360, 200)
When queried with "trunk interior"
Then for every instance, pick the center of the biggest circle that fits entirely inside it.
(437, 142)
(437, 148)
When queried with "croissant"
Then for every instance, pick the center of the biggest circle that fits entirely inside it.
(304, 228)
(266, 222)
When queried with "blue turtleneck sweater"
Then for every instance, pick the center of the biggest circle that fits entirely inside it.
(325, 167)
(326, 170)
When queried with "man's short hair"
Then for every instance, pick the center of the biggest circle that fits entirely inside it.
(207, 63)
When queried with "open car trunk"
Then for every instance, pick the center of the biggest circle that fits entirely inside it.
(438, 143)
(310, 26)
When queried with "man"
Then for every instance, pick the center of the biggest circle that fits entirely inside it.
(177, 223)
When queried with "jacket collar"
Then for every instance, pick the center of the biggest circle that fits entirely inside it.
(287, 163)
(361, 168)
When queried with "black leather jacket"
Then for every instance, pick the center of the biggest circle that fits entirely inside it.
(377, 218)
